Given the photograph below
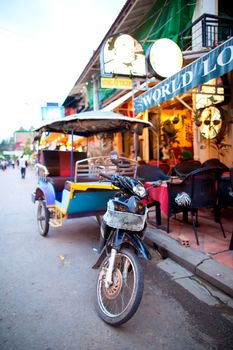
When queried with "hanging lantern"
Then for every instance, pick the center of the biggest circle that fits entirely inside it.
(198, 122)
(175, 120)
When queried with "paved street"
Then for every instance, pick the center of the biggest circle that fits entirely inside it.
(47, 289)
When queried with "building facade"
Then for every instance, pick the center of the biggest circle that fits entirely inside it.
(194, 113)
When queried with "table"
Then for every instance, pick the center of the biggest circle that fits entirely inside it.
(159, 194)
(158, 197)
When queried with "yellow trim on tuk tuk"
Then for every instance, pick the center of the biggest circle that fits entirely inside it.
(84, 186)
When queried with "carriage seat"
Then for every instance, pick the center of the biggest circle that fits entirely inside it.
(82, 179)
(58, 162)
(58, 182)
(61, 182)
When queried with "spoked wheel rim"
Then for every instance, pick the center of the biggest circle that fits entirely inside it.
(42, 218)
(118, 302)
(114, 290)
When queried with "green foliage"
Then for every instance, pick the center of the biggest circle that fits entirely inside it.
(27, 150)
(169, 132)
(7, 145)
(220, 145)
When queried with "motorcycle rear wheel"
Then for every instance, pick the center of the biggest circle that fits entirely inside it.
(118, 303)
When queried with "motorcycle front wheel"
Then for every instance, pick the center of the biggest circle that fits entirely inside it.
(117, 303)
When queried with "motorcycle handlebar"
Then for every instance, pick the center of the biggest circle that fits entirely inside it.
(109, 177)
(154, 184)
(157, 183)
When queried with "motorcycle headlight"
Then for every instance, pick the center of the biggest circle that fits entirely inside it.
(139, 208)
(139, 191)
(120, 207)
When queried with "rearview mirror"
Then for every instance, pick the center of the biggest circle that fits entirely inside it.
(114, 157)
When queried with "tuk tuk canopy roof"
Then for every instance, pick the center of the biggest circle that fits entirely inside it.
(93, 123)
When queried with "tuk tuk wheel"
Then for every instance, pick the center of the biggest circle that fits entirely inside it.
(43, 218)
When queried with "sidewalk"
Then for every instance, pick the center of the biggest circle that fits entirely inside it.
(211, 260)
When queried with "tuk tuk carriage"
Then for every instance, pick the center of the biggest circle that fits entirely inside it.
(69, 183)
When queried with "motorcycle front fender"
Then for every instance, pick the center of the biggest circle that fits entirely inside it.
(100, 259)
(119, 239)
(139, 245)
(135, 241)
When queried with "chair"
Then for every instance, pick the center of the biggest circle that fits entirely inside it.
(231, 177)
(199, 189)
(184, 168)
(165, 167)
(214, 162)
(226, 190)
(148, 173)
(225, 199)
(231, 194)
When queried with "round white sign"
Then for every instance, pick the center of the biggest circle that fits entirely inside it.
(165, 58)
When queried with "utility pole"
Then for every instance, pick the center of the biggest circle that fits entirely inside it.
(95, 93)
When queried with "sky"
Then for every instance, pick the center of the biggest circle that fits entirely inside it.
(44, 47)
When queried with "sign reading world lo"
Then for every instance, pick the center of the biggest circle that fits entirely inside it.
(212, 65)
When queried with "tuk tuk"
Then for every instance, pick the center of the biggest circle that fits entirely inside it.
(69, 183)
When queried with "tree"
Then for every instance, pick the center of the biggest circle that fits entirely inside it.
(7, 145)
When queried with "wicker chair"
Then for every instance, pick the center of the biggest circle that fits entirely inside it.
(231, 178)
(165, 167)
(184, 168)
(199, 189)
(226, 189)
(231, 194)
(214, 162)
(148, 172)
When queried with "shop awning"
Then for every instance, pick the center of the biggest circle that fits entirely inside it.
(212, 65)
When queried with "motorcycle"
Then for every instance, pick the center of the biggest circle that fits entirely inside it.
(120, 281)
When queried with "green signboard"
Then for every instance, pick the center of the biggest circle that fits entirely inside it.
(212, 65)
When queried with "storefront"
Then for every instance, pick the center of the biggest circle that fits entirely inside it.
(191, 111)
(175, 104)
(189, 116)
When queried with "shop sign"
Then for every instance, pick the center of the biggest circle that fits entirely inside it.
(116, 83)
(52, 112)
(212, 65)
(122, 55)
(159, 58)
(209, 94)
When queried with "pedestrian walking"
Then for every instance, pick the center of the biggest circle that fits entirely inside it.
(22, 165)
(13, 163)
(3, 164)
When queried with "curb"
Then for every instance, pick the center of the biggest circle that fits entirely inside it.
(200, 264)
